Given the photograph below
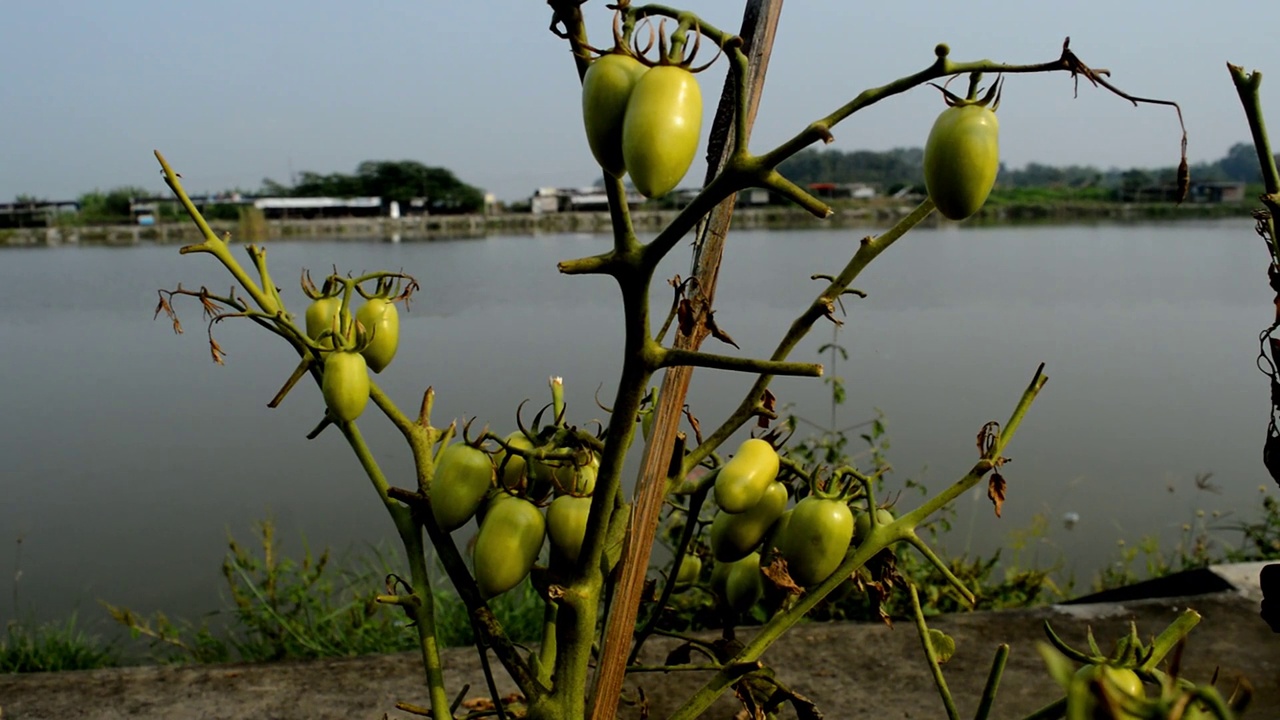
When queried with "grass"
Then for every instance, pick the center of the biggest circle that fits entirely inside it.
(52, 647)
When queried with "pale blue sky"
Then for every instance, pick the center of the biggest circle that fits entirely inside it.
(237, 90)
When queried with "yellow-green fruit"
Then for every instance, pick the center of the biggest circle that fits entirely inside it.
(507, 545)
(661, 129)
(512, 468)
(606, 88)
(345, 385)
(1123, 686)
(734, 536)
(743, 480)
(817, 537)
(381, 321)
(690, 569)
(961, 159)
(567, 524)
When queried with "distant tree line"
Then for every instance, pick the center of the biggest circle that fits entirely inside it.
(894, 169)
(401, 180)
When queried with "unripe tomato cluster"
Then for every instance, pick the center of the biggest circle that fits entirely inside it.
(642, 121)
(345, 382)
(753, 521)
(503, 491)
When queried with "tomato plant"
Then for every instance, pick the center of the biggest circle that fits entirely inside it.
(602, 531)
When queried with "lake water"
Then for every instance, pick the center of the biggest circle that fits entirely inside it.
(128, 456)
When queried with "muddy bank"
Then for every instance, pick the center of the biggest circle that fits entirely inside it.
(849, 670)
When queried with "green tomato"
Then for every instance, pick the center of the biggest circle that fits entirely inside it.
(690, 569)
(567, 524)
(345, 384)
(734, 536)
(606, 88)
(507, 545)
(319, 317)
(577, 476)
(661, 128)
(380, 317)
(817, 537)
(961, 158)
(513, 473)
(745, 583)
(862, 524)
(464, 475)
(743, 480)
(1120, 683)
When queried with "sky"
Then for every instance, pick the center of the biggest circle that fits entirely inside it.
(240, 90)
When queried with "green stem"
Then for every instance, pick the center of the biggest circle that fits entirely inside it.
(423, 613)
(993, 682)
(931, 656)
(937, 562)
(1247, 87)
(671, 357)
(1170, 637)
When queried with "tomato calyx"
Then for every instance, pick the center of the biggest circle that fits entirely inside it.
(990, 100)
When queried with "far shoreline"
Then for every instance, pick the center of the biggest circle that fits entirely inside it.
(449, 227)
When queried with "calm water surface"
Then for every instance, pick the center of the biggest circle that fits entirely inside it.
(129, 456)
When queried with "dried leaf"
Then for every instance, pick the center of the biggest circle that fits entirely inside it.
(1184, 179)
(479, 704)
(681, 655)
(693, 422)
(770, 403)
(987, 437)
(944, 646)
(805, 708)
(216, 350)
(684, 315)
(716, 332)
(995, 491)
(777, 574)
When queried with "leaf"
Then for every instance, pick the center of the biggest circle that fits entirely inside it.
(684, 314)
(804, 707)
(681, 655)
(1060, 668)
(777, 574)
(995, 491)
(716, 332)
(944, 646)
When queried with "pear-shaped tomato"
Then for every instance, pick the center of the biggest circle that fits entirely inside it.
(567, 524)
(507, 544)
(690, 569)
(575, 475)
(1122, 685)
(734, 536)
(464, 475)
(661, 129)
(319, 316)
(862, 524)
(742, 480)
(745, 583)
(345, 384)
(961, 158)
(817, 537)
(606, 87)
(511, 466)
(381, 319)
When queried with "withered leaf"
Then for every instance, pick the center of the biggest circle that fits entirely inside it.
(777, 574)
(805, 708)
(479, 704)
(681, 655)
(995, 491)
(716, 332)
(684, 315)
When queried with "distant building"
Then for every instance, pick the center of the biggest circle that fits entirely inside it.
(41, 213)
(594, 199)
(845, 191)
